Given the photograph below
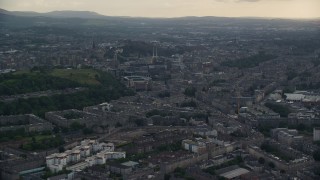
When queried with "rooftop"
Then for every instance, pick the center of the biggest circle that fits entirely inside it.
(232, 172)
(130, 163)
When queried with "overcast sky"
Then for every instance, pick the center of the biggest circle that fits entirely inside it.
(175, 8)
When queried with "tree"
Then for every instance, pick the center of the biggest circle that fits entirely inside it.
(301, 127)
(87, 131)
(164, 94)
(189, 104)
(271, 164)
(283, 110)
(24, 156)
(261, 160)
(179, 172)
(288, 90)
(56, 129)
(139, 122)
(118, 125)
(167, 177)
(76, 125)
(72, 115)
(316, 155)
(108, 88)
(190, 91)
(61, 149)
(249, 62)
(291, 75)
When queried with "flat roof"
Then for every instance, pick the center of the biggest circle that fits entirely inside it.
(130, 163)
(136, 78)
(117, 165)
(234, 173)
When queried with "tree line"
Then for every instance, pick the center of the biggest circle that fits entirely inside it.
(11, 84)
(249, 62)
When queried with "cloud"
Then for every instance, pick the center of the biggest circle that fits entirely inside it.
(238, 1)
(248, 0)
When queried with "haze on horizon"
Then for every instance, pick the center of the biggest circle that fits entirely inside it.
(175, 8)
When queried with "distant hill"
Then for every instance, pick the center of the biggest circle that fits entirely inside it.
(19, 13)
(73, 19)
(94, 15)
(56, 14)
(74, 14)
(24, 13)
(2, 11)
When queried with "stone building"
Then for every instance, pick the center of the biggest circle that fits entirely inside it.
(316, 134)
(138, 83)
(286, 136)
(291, 166)
(68, 117)
(28, 122)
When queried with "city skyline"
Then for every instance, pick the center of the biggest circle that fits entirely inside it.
(176, 8)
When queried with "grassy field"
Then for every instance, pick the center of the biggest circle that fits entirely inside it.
(38, 138)
(21, 72)
(42, 142)
(83, 76)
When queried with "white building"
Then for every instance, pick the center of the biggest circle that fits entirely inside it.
(294, 96)
(192, 146)
(107, 147)
(302, 96)
(50, 160)
(113, 155)
(56, 162)
(56, 168)
(106, 107)
(75, 156)
(61, 159)
(85, 151)
(100, 159)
